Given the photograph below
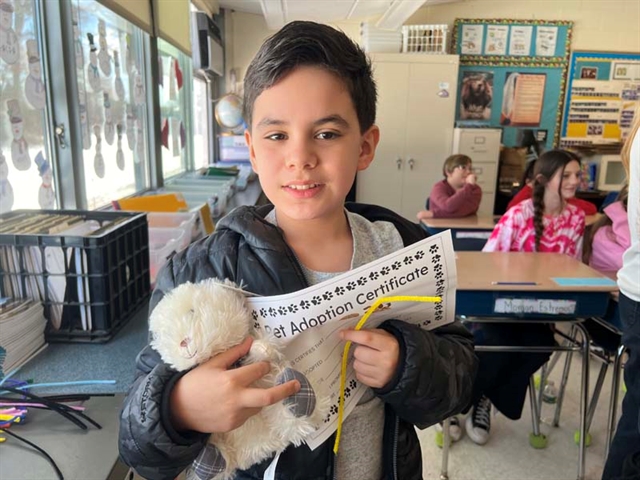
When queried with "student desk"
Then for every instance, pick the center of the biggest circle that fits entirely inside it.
(479, 297)
(468, 233)
(472, 232)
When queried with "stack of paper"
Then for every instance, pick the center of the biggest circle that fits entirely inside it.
(22, 326)
(40, 273)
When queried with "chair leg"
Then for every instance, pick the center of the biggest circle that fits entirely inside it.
(563, 386)
(597, 389)
(613, 401)
(546, 369)
(536, 439)
(535, 412)
(444, 469)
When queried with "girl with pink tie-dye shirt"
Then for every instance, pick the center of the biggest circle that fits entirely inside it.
(544, 223)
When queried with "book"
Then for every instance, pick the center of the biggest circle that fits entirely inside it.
(22, 325)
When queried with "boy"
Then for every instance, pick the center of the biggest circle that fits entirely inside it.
(309, 101)
(458, 195)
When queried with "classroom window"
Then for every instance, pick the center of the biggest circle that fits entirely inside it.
(175, 80)
(27, 178)
(112, 102)
(201, 127)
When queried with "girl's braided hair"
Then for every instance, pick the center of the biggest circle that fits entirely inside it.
(545, 168)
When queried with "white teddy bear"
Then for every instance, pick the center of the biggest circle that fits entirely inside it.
(194, 322)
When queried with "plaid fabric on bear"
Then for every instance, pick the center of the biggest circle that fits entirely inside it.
(303, 403)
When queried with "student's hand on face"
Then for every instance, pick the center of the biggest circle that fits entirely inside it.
(376, 355)
(215, 397)
(471, 179)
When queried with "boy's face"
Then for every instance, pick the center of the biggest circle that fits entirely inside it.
(305, 144)
(458, 175)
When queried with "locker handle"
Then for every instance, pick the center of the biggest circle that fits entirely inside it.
(411, 163)
(399, 163)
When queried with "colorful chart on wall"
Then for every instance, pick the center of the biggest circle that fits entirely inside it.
(512, 76)
(603, 96)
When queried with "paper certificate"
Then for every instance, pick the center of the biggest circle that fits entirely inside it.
(520, 42)
(308, 322)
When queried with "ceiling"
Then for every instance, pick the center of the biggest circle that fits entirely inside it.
(392, 13)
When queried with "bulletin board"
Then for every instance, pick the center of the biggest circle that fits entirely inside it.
(513, 76)
(496, 40)
(603, 95)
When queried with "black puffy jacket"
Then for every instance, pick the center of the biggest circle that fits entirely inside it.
(434, 378)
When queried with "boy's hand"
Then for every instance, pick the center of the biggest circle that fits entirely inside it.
(471, 179)
(214, 397)
(376, 355)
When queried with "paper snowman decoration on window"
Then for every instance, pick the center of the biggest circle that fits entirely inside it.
(139, 141)
(118, 84)
(77, 42)
(84, 124)
(33, 85)
(120, 153)
(104, 59)
(93, 74)
(46, 195)
(98, 160)
(138, 88)
(19, 147)
(9, 45)
(130, 128)
(129, 60)
(6, 191)
(109, 127)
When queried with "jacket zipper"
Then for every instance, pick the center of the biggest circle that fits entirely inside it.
(395, 448)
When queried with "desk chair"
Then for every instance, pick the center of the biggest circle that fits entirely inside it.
(606, 335)
(536, 439)
(609, 199)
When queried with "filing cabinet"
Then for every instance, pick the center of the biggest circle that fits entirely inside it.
(482, 145)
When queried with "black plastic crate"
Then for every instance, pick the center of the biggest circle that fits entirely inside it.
(90, 285)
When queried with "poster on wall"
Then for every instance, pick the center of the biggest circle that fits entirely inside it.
(522, 99)
(603, 96)
(519, 80)
(546, 41)
(520, 40)
(472, 39)
(496, 40)
(476, 95)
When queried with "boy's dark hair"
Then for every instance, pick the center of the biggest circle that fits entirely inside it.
(312, 44)
(545, 168)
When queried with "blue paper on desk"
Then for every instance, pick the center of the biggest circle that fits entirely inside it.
(584, 282)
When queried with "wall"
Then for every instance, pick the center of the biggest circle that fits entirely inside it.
(610, 25)
(245, 34)
(598, 24)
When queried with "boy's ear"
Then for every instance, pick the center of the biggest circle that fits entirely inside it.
(252, 153)
(368, 145)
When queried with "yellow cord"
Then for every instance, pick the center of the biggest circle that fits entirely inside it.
(345, 354)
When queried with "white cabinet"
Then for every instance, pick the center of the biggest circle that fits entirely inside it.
(416, 109)
(482, 145)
